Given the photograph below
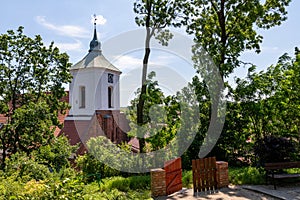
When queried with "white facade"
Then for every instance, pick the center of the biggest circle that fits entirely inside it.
(95, 84)
(95, 81)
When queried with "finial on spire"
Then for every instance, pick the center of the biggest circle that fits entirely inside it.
(95, 19)
(95, 44)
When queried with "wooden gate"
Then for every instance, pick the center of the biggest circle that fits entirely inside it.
(204, 174)
(173, 176)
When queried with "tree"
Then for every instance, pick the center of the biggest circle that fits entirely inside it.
(155, 16)
(264, 105)
(31, 86)
(275, 95)
(56, 154)
(226, 28)
(160, 115)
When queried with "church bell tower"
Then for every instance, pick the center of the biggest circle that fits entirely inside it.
(95, 84)
(94, 96)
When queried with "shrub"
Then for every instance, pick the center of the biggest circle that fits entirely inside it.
(246, 175)
(274, 149)
(139, 182)
(26, 168)
(187, 179)
(126, 184)
(94, 170)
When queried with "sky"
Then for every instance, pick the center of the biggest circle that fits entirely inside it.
(69, 23)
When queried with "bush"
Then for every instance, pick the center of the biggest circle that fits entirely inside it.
(126, 184)
(187, 179)
(26, 168)
(246, 175)
(94, 170)
(274, 149)
(139, 182)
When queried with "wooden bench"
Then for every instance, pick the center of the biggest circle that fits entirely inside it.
(275, 171)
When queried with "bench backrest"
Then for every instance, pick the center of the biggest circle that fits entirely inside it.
(282, 165)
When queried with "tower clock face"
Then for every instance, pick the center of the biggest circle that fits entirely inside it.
(110, 78)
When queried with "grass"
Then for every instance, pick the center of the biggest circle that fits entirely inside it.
(246, 175)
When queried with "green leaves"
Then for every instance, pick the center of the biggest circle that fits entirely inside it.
(31, 84)
(227, 28)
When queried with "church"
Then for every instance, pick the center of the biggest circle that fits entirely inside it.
(94, 97)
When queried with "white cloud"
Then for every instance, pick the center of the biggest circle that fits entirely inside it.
(127, 63)
(66, 30)
(100, 20)
(64, 47)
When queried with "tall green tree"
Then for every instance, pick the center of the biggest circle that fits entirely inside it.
(160, 115)
(264, 105)
(271, 98)
(226, 28)
(155, 16)
(31, 86)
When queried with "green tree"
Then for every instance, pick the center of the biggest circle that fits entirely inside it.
(274, 97)
(264, 105)
(31, 86)
(160, 115)
(56, 154)
(226, 28)
(155, 16)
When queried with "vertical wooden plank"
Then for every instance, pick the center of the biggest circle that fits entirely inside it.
(214, 166)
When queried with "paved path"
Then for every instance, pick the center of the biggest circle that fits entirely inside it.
(244, 192)
(286, 192)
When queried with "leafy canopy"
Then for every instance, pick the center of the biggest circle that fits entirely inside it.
(31, 86)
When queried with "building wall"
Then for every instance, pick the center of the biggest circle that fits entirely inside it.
(95, 81)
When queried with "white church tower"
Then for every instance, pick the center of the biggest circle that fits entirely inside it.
(94, 97)
(95, 84)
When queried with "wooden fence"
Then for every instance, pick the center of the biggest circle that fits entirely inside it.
(205, 175)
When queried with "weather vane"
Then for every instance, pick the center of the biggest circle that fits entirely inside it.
(95, 19)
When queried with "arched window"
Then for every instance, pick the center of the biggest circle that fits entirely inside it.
(81, 97)
(110, 97)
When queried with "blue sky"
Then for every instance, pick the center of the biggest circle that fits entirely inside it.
(69, 24)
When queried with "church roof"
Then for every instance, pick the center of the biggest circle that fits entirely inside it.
(95, 58)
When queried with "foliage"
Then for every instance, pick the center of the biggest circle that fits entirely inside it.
(56, 154)
(199, 87)
(155, 16)
(274, 149)
(126, 184)
(26, 168)
(72, 188)
(246, 175)
(92, 169)
(263, 104)
(160, 115)
(31, 86)
(42, 163)
(227, 28)
(187, 179)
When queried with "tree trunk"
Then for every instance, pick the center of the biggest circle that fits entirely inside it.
(140, 105)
